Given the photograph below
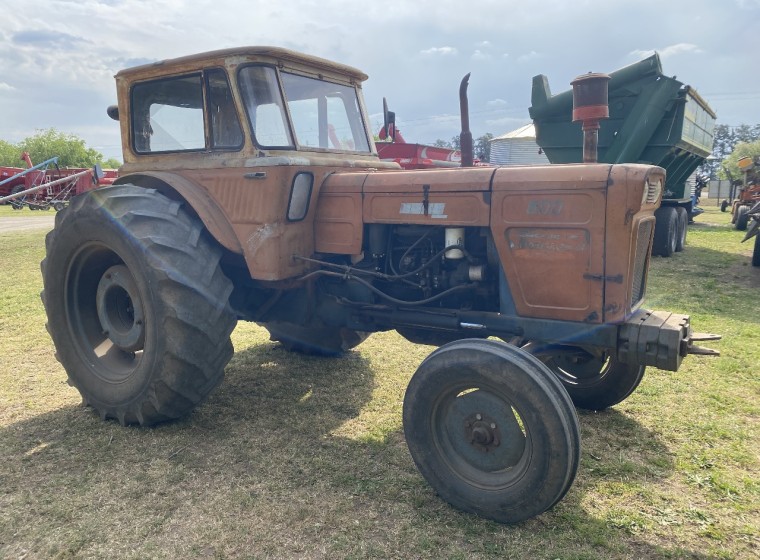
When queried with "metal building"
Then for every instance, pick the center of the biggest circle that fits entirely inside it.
(517, 148)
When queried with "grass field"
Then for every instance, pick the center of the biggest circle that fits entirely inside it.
(296, 457)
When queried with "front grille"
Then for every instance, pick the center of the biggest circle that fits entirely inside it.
(641, 261)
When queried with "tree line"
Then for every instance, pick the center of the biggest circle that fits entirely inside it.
(71, 151)
(729, 145)
(481, 146)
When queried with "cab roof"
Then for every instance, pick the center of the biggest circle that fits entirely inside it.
(248, 54)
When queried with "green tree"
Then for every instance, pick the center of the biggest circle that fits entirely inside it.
(70, 149)
(725, 139)
(10, 155)
(730, 165)
(483, 147)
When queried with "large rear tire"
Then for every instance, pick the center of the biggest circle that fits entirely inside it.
(316, 341)
(137, 304)
(665, 231)
(683, 227)
(492, 430)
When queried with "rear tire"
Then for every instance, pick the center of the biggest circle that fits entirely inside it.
(742, 218)
(756, 251)
(683, 228)
(315, 341)
(137, 304)
(492, 430)
(665, 231)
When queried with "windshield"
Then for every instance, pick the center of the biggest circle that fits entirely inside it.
(325, 115)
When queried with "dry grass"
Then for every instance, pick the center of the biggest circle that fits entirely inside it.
(296, 457)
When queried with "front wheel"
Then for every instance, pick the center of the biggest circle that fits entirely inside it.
(137, 304)
(594, 382)
(491, 430)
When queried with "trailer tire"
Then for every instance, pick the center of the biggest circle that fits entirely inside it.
(593, 383)
(17, 203)
(742, 218)
(137, 304)
(491, 430)
(683, 228)
(723, 205)
(314, 341)
(756, 251)
(665, 231)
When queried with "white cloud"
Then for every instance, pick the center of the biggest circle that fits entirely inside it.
(532, 55)
(6, 87)
(670, 50)
(480, 55)
(497, 103)
(444, 51)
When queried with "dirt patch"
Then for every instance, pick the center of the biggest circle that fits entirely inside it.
(8, 225)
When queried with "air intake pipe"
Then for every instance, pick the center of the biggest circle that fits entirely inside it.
(590, 105)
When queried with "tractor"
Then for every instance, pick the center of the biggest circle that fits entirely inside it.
(252, 190)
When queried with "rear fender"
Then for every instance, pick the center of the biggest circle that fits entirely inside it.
(173, 186)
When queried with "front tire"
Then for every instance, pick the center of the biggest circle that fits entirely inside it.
(593, 382)
(491, 430)
(137, 304)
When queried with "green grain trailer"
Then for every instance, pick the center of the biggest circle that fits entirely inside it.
(654, 119)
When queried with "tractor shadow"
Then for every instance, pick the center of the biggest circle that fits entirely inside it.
(288, 438)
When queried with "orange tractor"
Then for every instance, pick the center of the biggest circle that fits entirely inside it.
(252, 190)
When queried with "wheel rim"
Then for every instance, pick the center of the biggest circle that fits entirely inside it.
(104, 311)
(579, 370)
(481, 436)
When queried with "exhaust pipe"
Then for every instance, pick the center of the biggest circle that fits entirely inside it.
(465, 138)
(590, 105)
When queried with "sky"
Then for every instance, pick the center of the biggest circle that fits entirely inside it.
(58, 57)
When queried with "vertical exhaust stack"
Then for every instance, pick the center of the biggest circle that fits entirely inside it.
(590, 105)
(465, 138)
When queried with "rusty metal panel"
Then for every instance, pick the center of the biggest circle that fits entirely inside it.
(442, 209)
(438, 180)
(256, 201)
(338, 226)
(549, 231)
(625, 214)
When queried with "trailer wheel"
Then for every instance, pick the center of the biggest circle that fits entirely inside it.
(137, 304)
(316, 341)
(723, 205)
(683, 227)
(17, 203)
(491, 430)
(742, 218)
(58, 206)
(756, 251)
(665, 231)
(593, 382)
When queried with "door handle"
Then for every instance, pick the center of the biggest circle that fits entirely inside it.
(256, 175)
